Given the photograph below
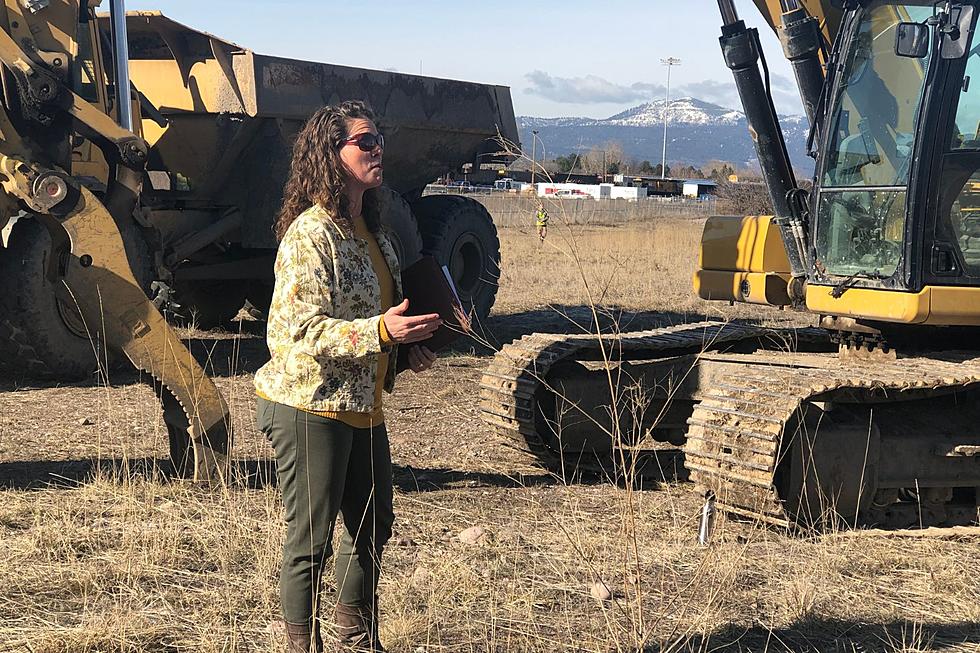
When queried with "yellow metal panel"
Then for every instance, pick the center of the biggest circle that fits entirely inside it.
(98, 169)
(160, 81)
(936, 305)
(152, 132)
(750, 287)
(954, 306)
(871, 304)
(749, 244)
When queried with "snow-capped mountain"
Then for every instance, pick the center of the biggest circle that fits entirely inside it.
(698, 132)
(683, 110)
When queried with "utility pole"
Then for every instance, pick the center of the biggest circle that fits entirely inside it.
(534, 160)
(670, 62)
(603, 166)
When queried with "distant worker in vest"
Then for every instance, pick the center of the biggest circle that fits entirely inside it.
(336, 322)
(541, 222)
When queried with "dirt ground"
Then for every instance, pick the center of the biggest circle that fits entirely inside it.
(102, 551)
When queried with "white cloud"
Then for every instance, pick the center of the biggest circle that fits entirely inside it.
(592, 89)
(782, 82)
(721, 93)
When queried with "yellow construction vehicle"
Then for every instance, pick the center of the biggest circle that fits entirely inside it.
(871, 417)
(70, 248)
(139, 156)
(220, 127)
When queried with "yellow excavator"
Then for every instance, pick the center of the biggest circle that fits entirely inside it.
(54, 100)
(871, 416)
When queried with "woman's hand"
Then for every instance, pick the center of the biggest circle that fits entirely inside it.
(420, 358)
(405, 329)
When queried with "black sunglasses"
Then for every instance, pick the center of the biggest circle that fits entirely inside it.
(367, 141)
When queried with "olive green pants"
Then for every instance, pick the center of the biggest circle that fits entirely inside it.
(326, 467)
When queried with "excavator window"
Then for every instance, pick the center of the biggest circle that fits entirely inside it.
(960, 175)
(966, 133)
(877, 103)
(964, 223)
(861, 231)
(862, 202)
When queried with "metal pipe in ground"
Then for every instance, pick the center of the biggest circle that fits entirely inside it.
(708, 513)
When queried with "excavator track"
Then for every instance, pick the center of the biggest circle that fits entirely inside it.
(512, 382)
(740, 430)
(752, 401)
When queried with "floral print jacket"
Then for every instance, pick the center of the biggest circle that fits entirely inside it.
(323, 329)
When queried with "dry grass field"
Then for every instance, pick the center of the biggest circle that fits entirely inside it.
(101, 552)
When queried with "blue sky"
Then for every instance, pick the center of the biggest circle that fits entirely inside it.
(572, 58)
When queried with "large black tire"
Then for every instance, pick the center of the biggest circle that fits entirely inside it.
(402, 228)
(42, 337)
(460, 234)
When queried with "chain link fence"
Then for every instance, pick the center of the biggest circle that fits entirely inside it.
(511, 210)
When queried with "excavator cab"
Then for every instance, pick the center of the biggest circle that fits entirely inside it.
(865, 171)
(898, 151)
(888, 231)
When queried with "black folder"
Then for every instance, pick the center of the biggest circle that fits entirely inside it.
(429, 289)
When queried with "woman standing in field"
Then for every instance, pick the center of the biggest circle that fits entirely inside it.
(336, 319)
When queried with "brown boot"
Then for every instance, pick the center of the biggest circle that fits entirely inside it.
(357, 628)
(303, 638)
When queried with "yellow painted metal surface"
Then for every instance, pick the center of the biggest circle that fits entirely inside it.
(936, 305)
(954, 306)
(93, 166)
(742, 259)
(208, 89)
(747, 244)
(110, 300)
(749, 287)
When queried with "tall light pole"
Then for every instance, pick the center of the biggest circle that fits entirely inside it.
(670, 62)
(534, 138)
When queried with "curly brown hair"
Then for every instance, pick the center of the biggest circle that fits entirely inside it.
(317, 174)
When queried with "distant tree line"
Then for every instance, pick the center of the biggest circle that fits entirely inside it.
(748, 197)
(611, 156)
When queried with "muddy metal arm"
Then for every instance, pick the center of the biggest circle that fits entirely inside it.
(806, 29)
(743, 54)
(92, 270)
(828, 16)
